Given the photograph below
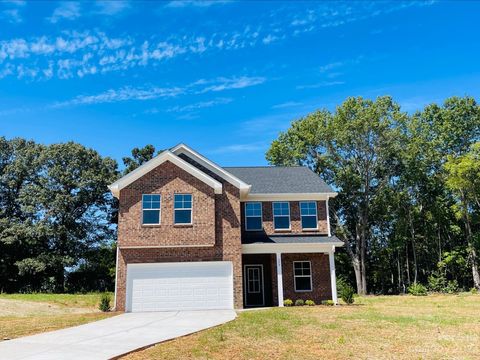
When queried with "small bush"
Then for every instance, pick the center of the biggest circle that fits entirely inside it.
(287, 302)
(104, 302)
(417, 289)
(474, 291)
(299, 302)
(452, 287)
(328, 302)
(437, 282)
(310, 302)
(346, 294)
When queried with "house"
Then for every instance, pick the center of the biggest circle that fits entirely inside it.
(194, 235)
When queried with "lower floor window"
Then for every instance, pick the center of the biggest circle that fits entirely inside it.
(302, 275)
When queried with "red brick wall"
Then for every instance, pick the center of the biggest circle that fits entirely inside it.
(216, 223)
(295, 219)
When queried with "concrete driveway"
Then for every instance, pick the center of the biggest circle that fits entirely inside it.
(112, 337)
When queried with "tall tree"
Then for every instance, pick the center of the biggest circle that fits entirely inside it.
(139, 157)
(355, 149)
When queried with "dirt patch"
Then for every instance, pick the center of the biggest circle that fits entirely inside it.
(21, 308)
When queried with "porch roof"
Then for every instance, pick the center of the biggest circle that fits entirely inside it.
(292, 239)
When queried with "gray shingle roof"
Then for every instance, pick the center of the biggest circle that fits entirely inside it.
(289, 239)
(280, 179)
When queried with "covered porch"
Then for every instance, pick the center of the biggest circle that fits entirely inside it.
(289, 267)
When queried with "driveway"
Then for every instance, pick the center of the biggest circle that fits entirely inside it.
(112, 337)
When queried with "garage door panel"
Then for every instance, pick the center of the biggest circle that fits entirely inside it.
(179, 286)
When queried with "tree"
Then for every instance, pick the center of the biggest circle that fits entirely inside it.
(139, 157)
(355, 149)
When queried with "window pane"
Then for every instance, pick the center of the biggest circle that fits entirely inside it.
(302, 284)
(281, 208)
(309, 222)
(183, 216)
(151, 216)
(308, 208)
(281, 222)
(253, 223)
(253, 209)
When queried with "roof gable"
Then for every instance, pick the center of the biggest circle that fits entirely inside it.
(167, 155)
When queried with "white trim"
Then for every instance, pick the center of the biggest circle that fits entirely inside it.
(293, 248)
(288, 197)
(165, 246)
(191, 209)
(333, 277)
(261, 215)
(295, 276)
(316, 214)
(210, 165)
(116, 277)
(159, 211)
(246, 286)
(279, 279)
(289, 216)
(328, 219)
(158, 160)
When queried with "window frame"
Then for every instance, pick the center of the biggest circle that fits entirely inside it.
(304, 276)
(159, 211)
(261, 215)
(289, 216)
(316, 214)
(191, 210)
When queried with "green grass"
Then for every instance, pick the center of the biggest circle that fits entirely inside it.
(375, 327)
(89, 300)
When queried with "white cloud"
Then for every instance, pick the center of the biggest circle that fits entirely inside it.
(200, 105)
(122, 94)
(223, 83)
(195, 3)
(237, 148)
(67, 10)
(111, 7)
(286, 105)
(12, 15)
(320, 85)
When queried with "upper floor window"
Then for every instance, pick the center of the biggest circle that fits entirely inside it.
(182, 208)
(302, 275)
(253, 216)
(150, 209)
(308, 212)
(281, 215)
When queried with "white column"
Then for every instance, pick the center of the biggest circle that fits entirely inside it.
(279, 279)
(333, 278)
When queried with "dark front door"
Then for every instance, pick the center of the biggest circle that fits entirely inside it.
(254, 286)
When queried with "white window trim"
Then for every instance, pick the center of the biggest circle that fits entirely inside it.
(191, 210)
(316, 214)
(289, 216)
(295, 276)
(159, 211)
(261, 216)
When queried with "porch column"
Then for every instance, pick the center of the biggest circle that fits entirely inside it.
(279, 279)
(333, 278)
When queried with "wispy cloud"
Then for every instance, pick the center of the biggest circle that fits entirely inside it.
(69, 10)
(195, 3)
(320, 85)
(223, 83)
(200, 105)
(287, 105)
(12, 15)
(111, 7)
(237, 148)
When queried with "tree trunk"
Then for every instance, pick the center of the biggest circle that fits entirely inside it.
(471, 247)
(407, 264)
(414, 252)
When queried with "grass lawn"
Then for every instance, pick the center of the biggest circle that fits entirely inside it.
(376, 327)
(27, 314)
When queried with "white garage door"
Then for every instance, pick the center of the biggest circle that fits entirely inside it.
(179, 286)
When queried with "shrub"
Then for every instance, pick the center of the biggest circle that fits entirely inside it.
(328, 302)
(452, 287)
(346, 294)
(299, 302)
(474, 290)
(417, 289)
(104, 302)
(310, 302)
(437, 283)
(287, 302)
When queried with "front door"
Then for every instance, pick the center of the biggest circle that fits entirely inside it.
(254, 287)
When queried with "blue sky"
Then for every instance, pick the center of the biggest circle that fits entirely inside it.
(224, 77)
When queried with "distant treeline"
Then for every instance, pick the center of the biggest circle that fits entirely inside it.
(409, 189)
